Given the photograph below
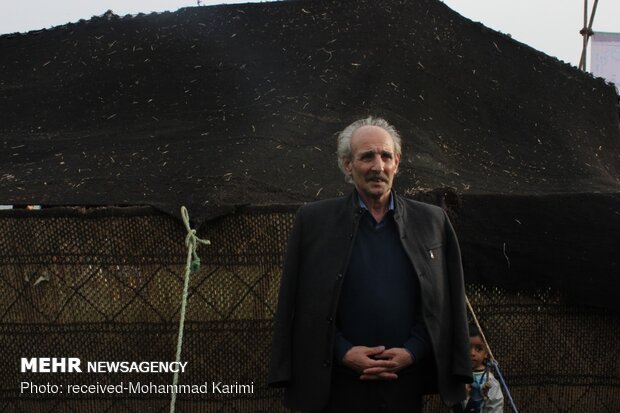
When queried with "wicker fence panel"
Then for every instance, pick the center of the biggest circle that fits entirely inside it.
(106, 286)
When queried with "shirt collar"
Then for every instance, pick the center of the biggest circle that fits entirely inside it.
(362, 205)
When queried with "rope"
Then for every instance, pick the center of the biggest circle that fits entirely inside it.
(492, 361)
(192, 265)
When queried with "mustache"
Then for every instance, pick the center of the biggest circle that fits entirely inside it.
(376, 175)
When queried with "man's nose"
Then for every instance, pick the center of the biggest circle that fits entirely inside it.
(378, 164)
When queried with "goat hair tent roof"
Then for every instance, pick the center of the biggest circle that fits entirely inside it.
(219, 107)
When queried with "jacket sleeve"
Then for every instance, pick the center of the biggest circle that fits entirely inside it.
(280, 365)
(461, 363)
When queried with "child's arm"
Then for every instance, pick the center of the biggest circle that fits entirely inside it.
(495, 401)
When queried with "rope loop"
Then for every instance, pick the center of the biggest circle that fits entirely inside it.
(192, 242)
(192, 265)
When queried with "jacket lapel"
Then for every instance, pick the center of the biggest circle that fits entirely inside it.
(411, 235)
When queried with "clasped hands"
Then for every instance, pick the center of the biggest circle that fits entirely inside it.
(377, 363)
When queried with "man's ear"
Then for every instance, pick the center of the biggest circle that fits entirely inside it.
(397, 161)
(348, 167)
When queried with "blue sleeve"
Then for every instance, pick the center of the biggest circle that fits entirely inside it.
(419, 343)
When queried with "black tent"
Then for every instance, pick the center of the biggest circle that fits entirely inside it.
(220, 107)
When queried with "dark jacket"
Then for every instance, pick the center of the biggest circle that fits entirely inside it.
(317, 256)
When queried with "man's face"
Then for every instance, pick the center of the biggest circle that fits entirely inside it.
(373, 162)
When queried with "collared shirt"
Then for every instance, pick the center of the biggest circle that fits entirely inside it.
(362, 205)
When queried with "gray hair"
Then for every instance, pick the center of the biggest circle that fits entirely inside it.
(344, 140)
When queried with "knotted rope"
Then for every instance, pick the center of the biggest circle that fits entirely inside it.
(192, 264)
(492, 360)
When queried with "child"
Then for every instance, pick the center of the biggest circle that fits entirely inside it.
(484, 394)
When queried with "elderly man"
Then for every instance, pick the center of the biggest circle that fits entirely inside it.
(371, 312)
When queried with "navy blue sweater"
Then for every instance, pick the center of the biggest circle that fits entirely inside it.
(379, 302)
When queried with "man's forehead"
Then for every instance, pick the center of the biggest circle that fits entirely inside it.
(371, 138)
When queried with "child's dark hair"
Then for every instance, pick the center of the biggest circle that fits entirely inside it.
(474, 331)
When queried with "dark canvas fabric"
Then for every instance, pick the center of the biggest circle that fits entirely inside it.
(216, 108)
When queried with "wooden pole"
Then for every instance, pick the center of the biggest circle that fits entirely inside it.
(586, 32)
(584, 45)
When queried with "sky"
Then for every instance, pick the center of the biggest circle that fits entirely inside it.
(551, 26)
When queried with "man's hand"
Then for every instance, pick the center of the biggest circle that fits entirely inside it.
(377, 363)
